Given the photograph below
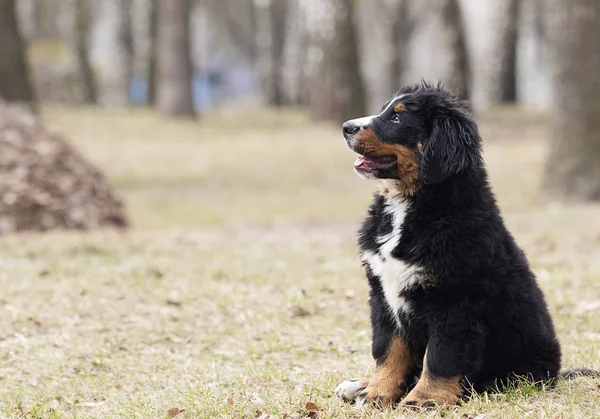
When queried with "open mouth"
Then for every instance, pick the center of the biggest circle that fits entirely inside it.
(369, 164)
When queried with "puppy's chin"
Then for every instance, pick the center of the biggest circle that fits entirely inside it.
(376, 174)
(365, 174)
(375, 167)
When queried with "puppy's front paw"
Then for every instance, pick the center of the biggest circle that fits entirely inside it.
(418, 399)
(349, 389)
(418, 403)
(381, 394)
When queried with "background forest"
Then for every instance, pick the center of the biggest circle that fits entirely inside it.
(178, 210)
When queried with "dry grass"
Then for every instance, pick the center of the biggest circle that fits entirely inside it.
(239, 292)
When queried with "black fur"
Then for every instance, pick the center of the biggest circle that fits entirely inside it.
(482, 315)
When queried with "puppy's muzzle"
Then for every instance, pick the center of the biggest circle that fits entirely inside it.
(350, 129)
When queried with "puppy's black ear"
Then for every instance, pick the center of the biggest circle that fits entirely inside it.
(453, 146)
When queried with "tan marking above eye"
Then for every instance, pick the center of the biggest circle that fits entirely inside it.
(400, 107)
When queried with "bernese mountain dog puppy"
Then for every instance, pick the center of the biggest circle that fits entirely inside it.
(454, 305)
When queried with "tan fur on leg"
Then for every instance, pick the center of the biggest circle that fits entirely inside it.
(431, 391)
(388, 383)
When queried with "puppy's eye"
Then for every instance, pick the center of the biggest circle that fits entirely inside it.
(396, 118)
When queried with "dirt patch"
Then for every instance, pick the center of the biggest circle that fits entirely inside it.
(45, 183)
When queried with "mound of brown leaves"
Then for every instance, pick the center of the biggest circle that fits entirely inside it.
(45, 184)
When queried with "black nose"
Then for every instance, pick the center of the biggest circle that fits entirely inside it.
(350, 128)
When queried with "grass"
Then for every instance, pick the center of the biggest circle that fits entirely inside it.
(238, 292)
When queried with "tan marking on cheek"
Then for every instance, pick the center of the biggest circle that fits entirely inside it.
(368, 143)
(408, 170)
(400, 107)
(406, 159)
(442, 391)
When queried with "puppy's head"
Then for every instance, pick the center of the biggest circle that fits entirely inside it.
(423, 135)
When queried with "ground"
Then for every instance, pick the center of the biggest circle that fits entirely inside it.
(238, 291)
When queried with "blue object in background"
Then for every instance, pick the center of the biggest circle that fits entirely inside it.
(138, 91)
(210, 88)
(202, 88)
(202, 91)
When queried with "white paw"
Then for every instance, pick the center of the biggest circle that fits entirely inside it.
(349, 389)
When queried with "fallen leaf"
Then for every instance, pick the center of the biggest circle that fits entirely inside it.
(174, 411)
(298, 311)
(230, 401)
(559, 415)
(312, 409)
(311, 406)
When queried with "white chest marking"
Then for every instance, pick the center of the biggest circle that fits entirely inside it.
(394, 274)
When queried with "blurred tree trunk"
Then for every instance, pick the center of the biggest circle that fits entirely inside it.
(174, 59)
(27, 16)
(271, 40)
(460, 77)
(153, 53)
(15, 84)
(539, 13)
(507, 77)
(337, 90)
(241, 19)
(401, 31)
(46, 22)
(82, 32)
(263, 49)
(253, 16)
(573, 167)
(279, 15)
(294, 56)
(126, 48)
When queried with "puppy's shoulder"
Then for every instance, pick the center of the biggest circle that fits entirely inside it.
(372, 224)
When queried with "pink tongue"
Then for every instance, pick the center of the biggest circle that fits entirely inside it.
(363, 163)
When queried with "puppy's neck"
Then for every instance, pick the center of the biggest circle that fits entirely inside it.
(395, 189)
